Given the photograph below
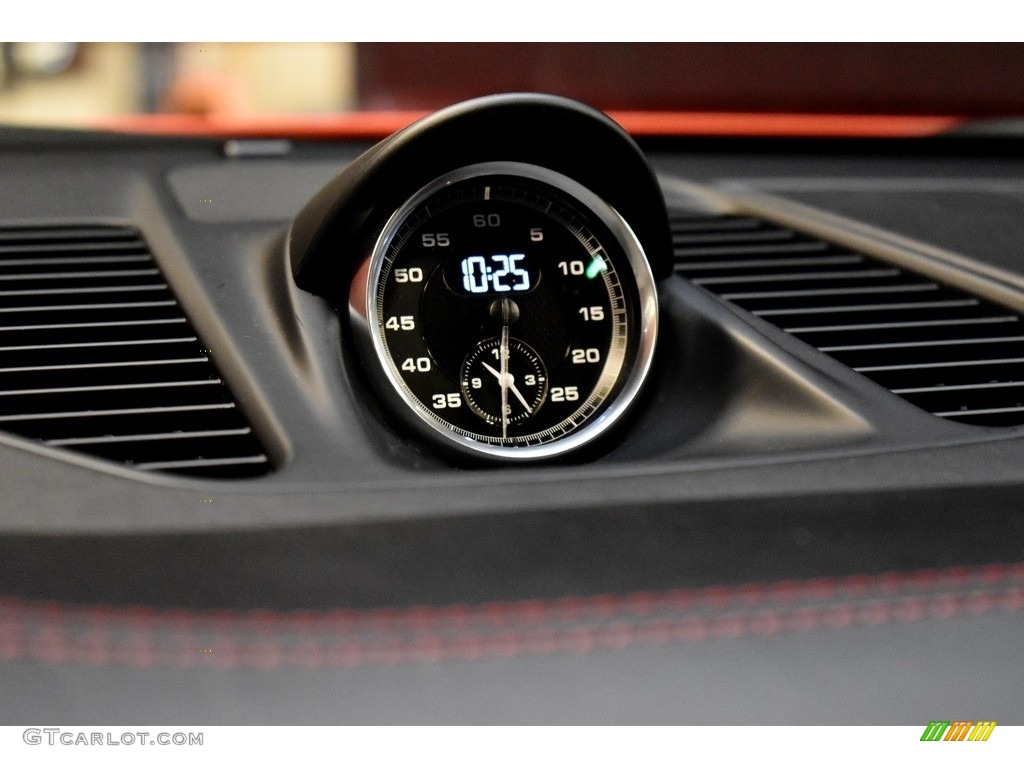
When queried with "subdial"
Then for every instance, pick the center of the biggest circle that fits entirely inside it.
(522, 388)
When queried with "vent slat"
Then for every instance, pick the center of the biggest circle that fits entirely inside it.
(763, 236)
(94, 400)
(713, 224)
(970, 399)
(28, 310)
(110, 388)
(904, 324)
(748, 250)
(758, 264)
(142, 438)
(914, 327)
(107, 248)
(96, 356)
(69, 234)
(928, 354)
(979, 411)
(63, 326)
(190, 420)
(93, 344)
(916, 344)
(83, 294)
(944, 388)
(812, 292)
(826, 309)
(102, 374)
(798, 277)
(955, 355)
(86, 333)
(37, 358)
(85, 261)
(941, 364)
(115, 412)
(118, 364)
(105, 274)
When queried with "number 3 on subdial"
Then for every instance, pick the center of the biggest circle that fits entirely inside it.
(526, 381)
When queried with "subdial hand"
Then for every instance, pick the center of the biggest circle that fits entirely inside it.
(511, 380)
(493, 370)
(519, 396)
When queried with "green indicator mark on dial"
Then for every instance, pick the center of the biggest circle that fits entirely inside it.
(596, 267)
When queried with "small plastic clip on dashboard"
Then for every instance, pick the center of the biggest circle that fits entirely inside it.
(240, 148)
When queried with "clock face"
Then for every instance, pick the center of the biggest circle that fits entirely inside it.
(511, 311)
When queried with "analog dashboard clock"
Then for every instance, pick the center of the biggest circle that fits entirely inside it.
(503, 307)
(512, 311)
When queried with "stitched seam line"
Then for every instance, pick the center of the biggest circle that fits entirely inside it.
(97, 647)
(97, 635)
(540, 611)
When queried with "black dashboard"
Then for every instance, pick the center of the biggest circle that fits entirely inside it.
(774, 534)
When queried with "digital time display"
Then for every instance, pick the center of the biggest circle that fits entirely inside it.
(499, 273)
(481, 271)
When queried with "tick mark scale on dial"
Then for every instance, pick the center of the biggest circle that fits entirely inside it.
(494, 331)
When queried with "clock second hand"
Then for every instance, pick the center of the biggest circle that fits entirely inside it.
(503, 354)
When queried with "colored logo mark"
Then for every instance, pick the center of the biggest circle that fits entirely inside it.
(958, 730)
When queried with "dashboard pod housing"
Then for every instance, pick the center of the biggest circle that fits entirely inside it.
(338, 244)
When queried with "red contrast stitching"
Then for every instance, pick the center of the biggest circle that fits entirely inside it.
(144, 637)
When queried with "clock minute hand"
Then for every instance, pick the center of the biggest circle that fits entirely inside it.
(511, 386)
(519, 396)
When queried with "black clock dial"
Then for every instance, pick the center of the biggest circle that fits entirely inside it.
(509, 309)
(518, 391)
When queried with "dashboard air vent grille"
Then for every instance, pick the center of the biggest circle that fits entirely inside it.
(96, 356)
(951, 353)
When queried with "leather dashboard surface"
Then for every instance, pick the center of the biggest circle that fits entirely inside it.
(870, 570)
